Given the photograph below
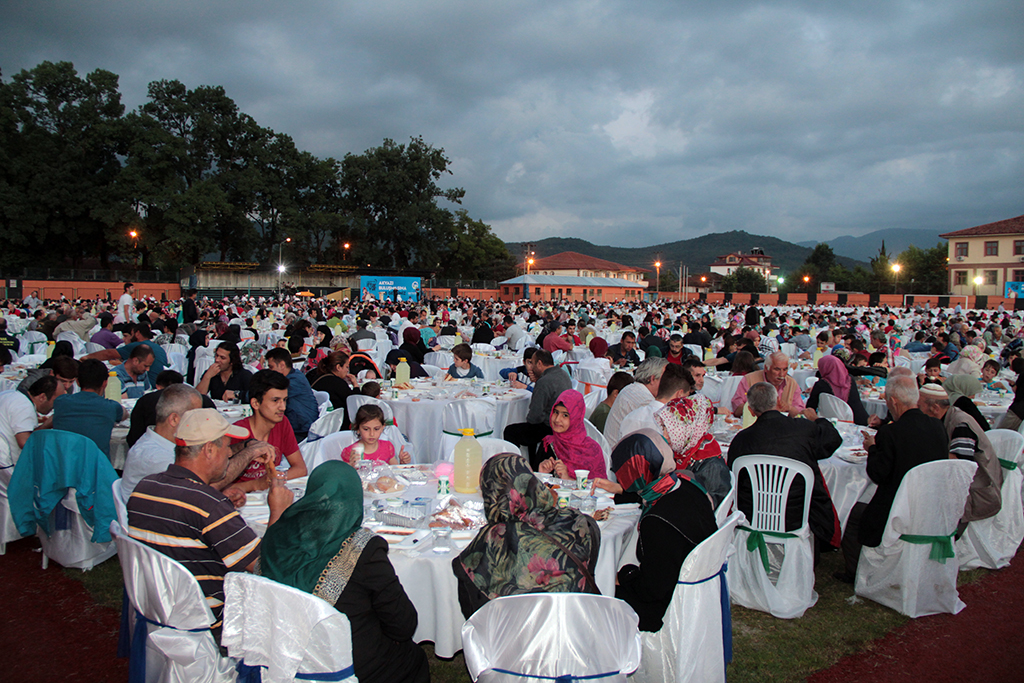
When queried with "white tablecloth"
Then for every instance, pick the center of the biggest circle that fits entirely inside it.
(420, 421)
(991, 406)
(489, 365)
(428, 578)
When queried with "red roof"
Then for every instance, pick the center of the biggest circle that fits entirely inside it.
(572, 260)
(755, 260)
(1011, 226)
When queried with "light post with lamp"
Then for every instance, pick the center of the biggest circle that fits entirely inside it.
(344, 254)
(978, 281)
(280, 264)
(657, 265)
(896, 278)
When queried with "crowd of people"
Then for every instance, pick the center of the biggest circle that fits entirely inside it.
(188, 468)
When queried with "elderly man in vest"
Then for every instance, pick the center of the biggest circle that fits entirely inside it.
(967, 441)
(776, 373)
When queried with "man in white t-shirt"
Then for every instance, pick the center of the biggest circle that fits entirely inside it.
(154, 450)
(676, 382)
(636, 395)
(19, 418)
(126, 305)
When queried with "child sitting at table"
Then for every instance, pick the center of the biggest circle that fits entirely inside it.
(368, 426)
(462, 368)
(988, 377)
(371, 389)
(932, 372)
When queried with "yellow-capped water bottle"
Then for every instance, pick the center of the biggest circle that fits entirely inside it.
(49, 348)
(402, 372)
(469, 456)
(113, 391)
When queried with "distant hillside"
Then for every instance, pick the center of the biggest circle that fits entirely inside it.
(697, 253)
(867, 246)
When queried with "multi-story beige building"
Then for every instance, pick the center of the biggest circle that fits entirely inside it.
(984, 258)
(756, 260)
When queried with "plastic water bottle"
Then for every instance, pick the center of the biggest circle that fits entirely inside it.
(113, 391)
(402, 372)
(469, 457)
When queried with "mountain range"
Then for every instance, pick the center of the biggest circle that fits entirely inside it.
(866, 246)
(697, 253)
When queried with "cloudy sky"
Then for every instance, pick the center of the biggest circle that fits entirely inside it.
(627, 123)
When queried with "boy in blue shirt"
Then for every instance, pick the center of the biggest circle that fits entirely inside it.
(462, 368)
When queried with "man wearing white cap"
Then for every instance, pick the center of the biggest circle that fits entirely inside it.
(967, 441)
(180, 514)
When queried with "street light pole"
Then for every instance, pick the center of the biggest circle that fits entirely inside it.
(657, 265)
(280, 264)
(896, 278)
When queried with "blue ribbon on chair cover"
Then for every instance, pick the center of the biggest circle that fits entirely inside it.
(726, 608)
(567, 678)
(124, 639)
(61, 518)
(137, 662)
(254, 674)
(756, 541)
(942, 546)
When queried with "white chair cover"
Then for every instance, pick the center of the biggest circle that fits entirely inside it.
(725, 508)
(695, 349)
(548, 635)
(392, 432)
(447, 341)
(32, 343)
(326, 425)
(810, 382)
(8, 530)
(993, 542)
(285, 631)
(321, 397)
(366, 344)
(120, 504)
(785, 588)
(712, 388)
(729, 386)
(679, 652)
(592, 379)
(433, 370)
(592, 401)
(328, 448)
(173, 641)
(498, 342)
(898, 573)
(93, 347)
(202, 364)
(482, 347)
(177, 348)
(830, 406)
(523, 342)
(490, 447)
(178, 362)
(595, 434)
(477, 414)
(76, 342)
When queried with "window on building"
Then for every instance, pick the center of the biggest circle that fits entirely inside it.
(961, 249)
(537, 291)
(515, 290)
(506, 290)
(1018, 247)
(991, 277)
(568, 291)
(1018, 276)
(599, 294)
(960, 277)
(991, 248)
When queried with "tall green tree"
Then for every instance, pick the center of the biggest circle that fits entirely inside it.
(474, 252)
(391, 195)
(744, 280)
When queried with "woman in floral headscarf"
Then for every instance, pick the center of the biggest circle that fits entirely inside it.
(677, 516)
(686, 423)
(969, 362)
(528, 545)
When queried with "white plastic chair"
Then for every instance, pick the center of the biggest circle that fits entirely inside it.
(751, 582)
(177, 348)
(76, 342)
(898, 573)
(680, 652)
(540, 635)
(328, 448)
(434, 371)
(32, 343)
(595, 434)
(994, 541)
(178, 362)
(712, 388)
(472, 413)
(175, 621)
(498, 342)
(790, 349)
(830, 406)
(482, 347)
(285, 631)
(321, 397)
(809, 382)
(592, 380)
(120, 504)
(366, 344)
(201, 364)
(327, 424)
(728, 504)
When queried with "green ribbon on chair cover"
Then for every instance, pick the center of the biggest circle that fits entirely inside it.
(1007, 464)
(755, 541)
(942, 546)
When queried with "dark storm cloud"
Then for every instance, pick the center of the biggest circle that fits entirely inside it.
(620, 122)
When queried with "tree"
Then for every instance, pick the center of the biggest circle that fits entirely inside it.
(61, 136)
(821, 260)
(391, 194)
(474, 252)
(923, 271)
(744, 280)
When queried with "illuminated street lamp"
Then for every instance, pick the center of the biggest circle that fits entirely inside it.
(529, 262)
(346, 247)
(978, 280)
(657, 265)
(280, 264)
(896, 278)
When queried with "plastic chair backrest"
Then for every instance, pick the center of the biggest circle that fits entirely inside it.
(354, 401)
(830, 406)
(771, 477)
(366, 344)
(326, 425)
(471, 413)
(328, 448)
(592, 400)
(548, 640)
(595, 434)
(1009, 444)
(695, 349)
(286, 630)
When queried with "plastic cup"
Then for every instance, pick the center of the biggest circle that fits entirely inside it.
(581, 478)
(442, 539)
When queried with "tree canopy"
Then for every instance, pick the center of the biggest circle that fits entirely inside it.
(192, 176)
(921, 271)
(744, 280)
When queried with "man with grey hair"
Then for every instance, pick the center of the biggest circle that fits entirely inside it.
(802, 440)
(967, 441)
(154, 451)
(912, 439)
(776, 373)
(638, 394)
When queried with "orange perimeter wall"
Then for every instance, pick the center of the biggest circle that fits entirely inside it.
(52, 289)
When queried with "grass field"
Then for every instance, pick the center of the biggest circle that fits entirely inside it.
(765, 648)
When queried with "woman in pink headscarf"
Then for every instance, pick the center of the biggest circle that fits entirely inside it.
(569, 448)
(835, 380)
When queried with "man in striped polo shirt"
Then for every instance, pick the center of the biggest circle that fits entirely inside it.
(178, 513)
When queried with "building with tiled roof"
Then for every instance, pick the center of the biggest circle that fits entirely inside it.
(575, 277)
(575, 264)
(983, 259)
(756, 260)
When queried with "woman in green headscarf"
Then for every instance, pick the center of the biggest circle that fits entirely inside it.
(961, 389)
(319, 546)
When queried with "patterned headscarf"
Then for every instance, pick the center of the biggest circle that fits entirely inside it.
(518, 549)
(573, 447)
(686, 422)
(643, 464)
